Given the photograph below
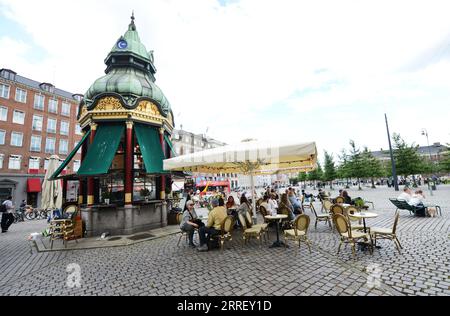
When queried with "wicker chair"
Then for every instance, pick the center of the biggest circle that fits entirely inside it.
(387, 233)
(337, 209)
(248, 231)
(307, 205)
(348, 236)
(299, 232)
(226, 231)
(352, 210)
(286, 223)
(326, 206)
(322, 218)
(339, 200)
(265, 225)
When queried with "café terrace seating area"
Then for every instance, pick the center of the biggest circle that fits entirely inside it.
(322, 220)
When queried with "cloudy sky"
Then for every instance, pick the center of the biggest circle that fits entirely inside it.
(323, 71)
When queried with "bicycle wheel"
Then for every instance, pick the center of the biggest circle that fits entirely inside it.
(30, 216)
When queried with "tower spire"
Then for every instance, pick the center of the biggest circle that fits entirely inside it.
(132, 26)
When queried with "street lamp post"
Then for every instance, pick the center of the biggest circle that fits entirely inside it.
(425, 133)
(394, 169)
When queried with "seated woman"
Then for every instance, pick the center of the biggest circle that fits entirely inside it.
(284, 203)
(245, 206)
(273, 203)
(418, 200)
(347, 198)
(231, 203)
(266, 204)
(190, 222)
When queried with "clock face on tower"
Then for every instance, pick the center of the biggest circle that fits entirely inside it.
(122, 44)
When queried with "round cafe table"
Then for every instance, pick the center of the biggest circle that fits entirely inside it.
(277, 219)
(363, 216)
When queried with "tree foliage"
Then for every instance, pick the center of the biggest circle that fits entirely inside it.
(329, 169)
(407, 160)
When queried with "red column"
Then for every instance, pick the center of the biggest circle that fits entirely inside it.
(90, 180)
(80, 186)
(129, 152)
(163, 178)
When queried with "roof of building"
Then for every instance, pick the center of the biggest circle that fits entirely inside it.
(39, 85)
(130, 73)
(434, 149)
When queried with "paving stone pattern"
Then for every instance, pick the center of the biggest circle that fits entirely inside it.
(159, 267)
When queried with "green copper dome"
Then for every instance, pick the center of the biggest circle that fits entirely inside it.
(130, 73)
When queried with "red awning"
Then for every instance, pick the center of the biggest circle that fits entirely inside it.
(34, 185)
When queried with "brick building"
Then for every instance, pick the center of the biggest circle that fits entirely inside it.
(37, 120)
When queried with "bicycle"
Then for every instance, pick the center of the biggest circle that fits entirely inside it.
(18, 216)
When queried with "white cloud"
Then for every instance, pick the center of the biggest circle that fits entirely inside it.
(231, 67)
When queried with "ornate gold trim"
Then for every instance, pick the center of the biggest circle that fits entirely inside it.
(130, 124)
(80, 200)
(90, 200)
(109, 104)
(128, 198)
(163, 195)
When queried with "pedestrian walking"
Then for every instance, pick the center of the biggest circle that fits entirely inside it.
(7, 214)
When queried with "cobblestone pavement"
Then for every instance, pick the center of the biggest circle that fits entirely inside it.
(159, 267)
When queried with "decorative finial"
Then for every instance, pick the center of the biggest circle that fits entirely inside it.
(132, 26)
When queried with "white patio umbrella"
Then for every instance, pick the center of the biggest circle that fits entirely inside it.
(251, 158)
(51, 190)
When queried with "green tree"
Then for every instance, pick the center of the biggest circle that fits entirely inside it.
(343, 170)
(407, 159)
(372, 166)
(329, 169)
(302, 177)
(444, 165)
(316, 174)
(356, 164)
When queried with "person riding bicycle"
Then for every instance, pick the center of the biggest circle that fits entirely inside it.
(25, 209)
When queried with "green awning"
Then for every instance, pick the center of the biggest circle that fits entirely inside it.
(170, 145)
(102, 151)
(70, 157)
(148, 138)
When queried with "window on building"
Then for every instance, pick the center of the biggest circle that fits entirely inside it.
(34, 163)
(48, 87)
(37, 123)
(36, 143)
(16, 139)
(51, 125)
(21, 95)
(1, 160)
(39, 100)
(3, 113)
(50, 144)
(46, 162)
(76, 165)
(19, 117)
(53, 106)
(14, 162)
(65, 109)
(2, 137)
(8, 74)
(64, 130)
(78, 130)
(4, 91)
(63, 146)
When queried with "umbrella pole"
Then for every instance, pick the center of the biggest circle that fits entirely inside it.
(252, 181)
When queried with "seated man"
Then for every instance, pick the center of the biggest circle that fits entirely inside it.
(214, 225)
(295, 203)
(406, 195)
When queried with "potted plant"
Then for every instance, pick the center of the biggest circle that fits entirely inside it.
(106, 197)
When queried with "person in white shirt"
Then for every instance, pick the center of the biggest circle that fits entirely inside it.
(273, 204)
(267, 205)
(406, 195)
(418, 200)
(7, 216)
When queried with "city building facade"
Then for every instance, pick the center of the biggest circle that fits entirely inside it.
(37, 120)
